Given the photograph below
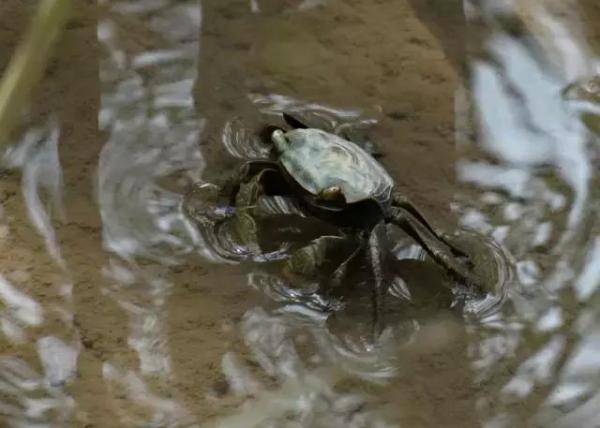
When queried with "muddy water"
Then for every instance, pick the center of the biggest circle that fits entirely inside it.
(117, 310)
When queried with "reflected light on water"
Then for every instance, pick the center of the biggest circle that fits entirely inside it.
(536, 172)
(37, 158)
(18, 310)
(197, 351)
(304, 395)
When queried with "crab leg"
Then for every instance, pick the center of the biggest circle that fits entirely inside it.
(376, 256)
(243, 224)
(244, 173)
(310, 260)
(437, 248)
(342, 269)
(402, 202)
(225, 197)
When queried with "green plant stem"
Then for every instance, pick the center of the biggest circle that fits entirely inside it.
(29, 61)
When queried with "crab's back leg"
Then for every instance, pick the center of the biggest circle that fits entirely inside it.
(377, 253)
(404, 203)
(440, 251)
(358, 134)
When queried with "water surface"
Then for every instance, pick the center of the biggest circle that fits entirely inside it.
(118, 310)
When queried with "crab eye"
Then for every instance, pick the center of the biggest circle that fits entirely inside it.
(332, 193)
(280, 140)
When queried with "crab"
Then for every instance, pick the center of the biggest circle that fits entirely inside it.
(343, 184)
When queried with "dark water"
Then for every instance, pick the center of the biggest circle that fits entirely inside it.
(118, 309)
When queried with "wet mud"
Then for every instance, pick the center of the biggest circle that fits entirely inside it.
(399, 62)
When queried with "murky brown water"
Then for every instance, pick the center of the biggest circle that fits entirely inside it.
(116, 310)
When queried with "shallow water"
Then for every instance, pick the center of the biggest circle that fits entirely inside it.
(119, 309)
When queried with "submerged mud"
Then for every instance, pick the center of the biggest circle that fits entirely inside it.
(115, 311)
